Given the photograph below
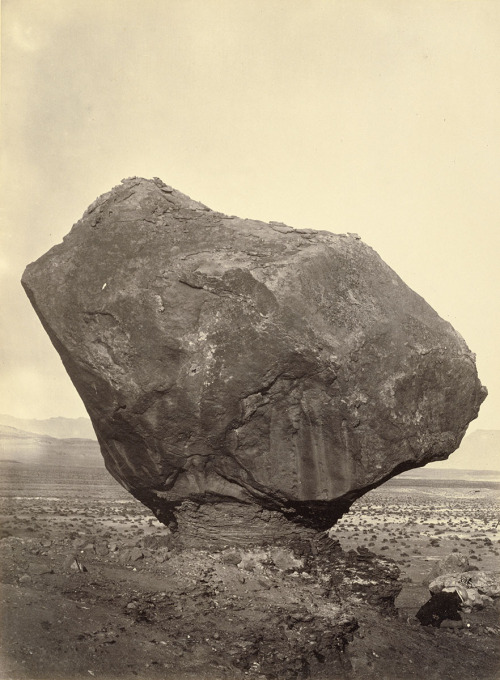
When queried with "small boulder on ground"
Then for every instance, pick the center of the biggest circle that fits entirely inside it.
(441, 606)
(454, 563)
(476, 588)
(154, 541)
(74, 564)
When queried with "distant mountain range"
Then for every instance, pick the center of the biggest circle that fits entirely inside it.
(61, 428)
(29, 448)
(430, 473)
(479, 450)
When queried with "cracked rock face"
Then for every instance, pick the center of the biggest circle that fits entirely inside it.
(241, 374)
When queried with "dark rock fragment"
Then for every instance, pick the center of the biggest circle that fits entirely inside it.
(441, 606)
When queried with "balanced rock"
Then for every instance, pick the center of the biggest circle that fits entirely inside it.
(240, 374)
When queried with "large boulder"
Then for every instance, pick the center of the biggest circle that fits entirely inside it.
(454, 563)
(247, 371)
(475, 587)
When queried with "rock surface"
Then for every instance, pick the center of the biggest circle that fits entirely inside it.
(454, 563)
(475, 587)
(441, 607)
(241, 374)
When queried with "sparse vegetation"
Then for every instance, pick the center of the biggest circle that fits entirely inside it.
(58, 514)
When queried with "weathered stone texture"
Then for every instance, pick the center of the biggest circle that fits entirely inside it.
(223, 359)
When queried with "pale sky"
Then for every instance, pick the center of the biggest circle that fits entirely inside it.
(378, 117)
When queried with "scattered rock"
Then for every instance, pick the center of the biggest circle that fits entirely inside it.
(162, 554)
(476, 588)
(487, 583)
(39, 569)
(124, 556)
(231, 557)
(75, 565)
(284, 560)
(136, 554)
(288, 623)
(155, 541)
(253, 560)
(101, 549)
(12, 542)
(454, 563)
(452, 625)
(441, 606)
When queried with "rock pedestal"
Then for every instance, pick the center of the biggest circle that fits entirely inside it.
(266, 374)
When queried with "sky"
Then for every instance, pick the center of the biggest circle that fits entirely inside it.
(379, 117)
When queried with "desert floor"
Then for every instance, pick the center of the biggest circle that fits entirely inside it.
(91, 587)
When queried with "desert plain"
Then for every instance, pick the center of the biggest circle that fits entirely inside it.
(92, 585)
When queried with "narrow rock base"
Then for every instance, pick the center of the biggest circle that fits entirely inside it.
(219, 525)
